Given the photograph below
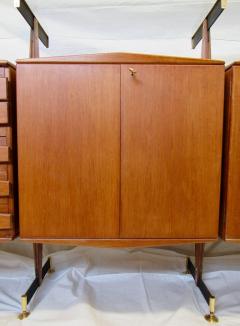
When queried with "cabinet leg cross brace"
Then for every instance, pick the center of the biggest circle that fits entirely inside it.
(26, 298)
(210, 299)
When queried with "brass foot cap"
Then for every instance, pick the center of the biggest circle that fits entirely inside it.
(211, 318)
(23, 315)
(51, 270)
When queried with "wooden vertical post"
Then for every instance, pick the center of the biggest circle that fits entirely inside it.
(206, 54)
(206, 41)
(37, 247)
(34, 41)
(199, 252)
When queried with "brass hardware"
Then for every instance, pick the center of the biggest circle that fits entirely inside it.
(212, 318)
(24, 313)
(133, 71)
(223, 4)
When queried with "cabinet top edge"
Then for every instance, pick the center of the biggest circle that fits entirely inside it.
(121, 58)
(5, 63)
(235, 63)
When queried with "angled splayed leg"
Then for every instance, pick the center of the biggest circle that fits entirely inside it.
(199, 252)
(40, 274)
(38, 248)
(196, 272)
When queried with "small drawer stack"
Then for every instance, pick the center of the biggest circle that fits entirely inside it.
(8, 157)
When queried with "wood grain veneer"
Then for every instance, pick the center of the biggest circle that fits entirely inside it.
(171, 151)
(5, 154)
(117, 243)
(230, 208)
(69, 150)
(3, 89)
(4, 115)
(5, 189)
(5, 221)
(8, 158)
(110, 157)
(121, 58)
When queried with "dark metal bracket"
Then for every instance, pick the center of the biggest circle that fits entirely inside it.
(26, 298)
(28, 15)
(210, 299)
(212, 16)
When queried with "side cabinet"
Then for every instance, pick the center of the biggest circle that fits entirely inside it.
(119, 149)
(230, 209)
(8, 158)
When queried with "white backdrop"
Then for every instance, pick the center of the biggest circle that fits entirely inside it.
(150, 26)
(119, 287)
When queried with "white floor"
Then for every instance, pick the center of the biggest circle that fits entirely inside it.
(114, 287)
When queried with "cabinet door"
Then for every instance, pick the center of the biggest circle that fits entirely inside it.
(231, 184)
(69, 150)
(171, 151)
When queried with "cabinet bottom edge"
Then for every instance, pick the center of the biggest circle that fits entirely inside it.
(126, 242)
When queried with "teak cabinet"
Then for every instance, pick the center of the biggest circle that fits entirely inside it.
(8, 159)
(119, 149)
(230, 209)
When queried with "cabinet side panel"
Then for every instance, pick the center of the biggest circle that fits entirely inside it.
(225, 159)
(232, 169)
(69, 150)
(171, 151)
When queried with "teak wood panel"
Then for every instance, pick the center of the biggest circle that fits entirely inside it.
(5, 188)
(3, 89)
(5, 154)
(8, 159)
(69, 150)
(4, 113)
(119, 242)
(171, 151)
(5, 221)
(121, 57)
(230, 210)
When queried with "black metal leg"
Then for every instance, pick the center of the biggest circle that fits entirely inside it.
(210, 299)
(26, 298)
(38, 249)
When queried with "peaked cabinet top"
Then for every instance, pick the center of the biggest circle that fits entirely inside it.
(235, 63)
(122, 58)
(5, 63)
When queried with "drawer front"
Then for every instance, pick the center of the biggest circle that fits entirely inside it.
(5, 189)
(3, 89)
(5, 154)
(8, 213)
(2, 72)
(3, 172)
(5, 221)
(4, 118)
(4, 206)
